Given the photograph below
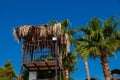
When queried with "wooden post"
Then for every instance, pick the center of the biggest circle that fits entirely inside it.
(56, 59)
(21, 68)
(60, 74)
(56, 72)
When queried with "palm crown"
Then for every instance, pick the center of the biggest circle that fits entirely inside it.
(100, 39)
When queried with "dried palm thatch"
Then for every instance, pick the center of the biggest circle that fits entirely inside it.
(31, 35)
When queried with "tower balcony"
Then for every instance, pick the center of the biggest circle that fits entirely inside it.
(41, 55)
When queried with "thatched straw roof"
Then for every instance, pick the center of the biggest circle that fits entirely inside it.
(30, 33)
(43, 32)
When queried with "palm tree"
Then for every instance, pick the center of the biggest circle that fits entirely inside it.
(79, 49)
(69, 62)
(68, 59)
(87, 68)
(103, 39)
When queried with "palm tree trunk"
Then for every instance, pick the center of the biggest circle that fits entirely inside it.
(86, 68)
(105, 66)
(66, 74)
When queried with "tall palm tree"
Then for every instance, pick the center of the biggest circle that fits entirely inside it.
(86, 68)
(103, 39)
(79, 49)
(68, 59)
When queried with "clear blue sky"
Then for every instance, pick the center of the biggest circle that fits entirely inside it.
(33, 12)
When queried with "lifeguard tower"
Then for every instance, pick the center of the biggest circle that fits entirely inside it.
(42, 50)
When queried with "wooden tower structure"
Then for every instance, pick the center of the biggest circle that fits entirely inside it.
(42, 50)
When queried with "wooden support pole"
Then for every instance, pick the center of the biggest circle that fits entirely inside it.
(21, 66)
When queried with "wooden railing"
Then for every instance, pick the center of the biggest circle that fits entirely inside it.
(42, 51)
(41, 56)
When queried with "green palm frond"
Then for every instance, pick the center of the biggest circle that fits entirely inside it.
(71, 32)
(65, 24)
(83, 39)
(53, 22)
(94, 24)
(85, 49)
(99, 38)
(85, 30)
(72, 40)
(109, 21)
(117, 34)
(116, 24)
(69, 61)
(109, 26)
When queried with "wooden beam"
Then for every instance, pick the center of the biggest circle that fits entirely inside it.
(47, 64)
(36, 66)
(26, 67)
